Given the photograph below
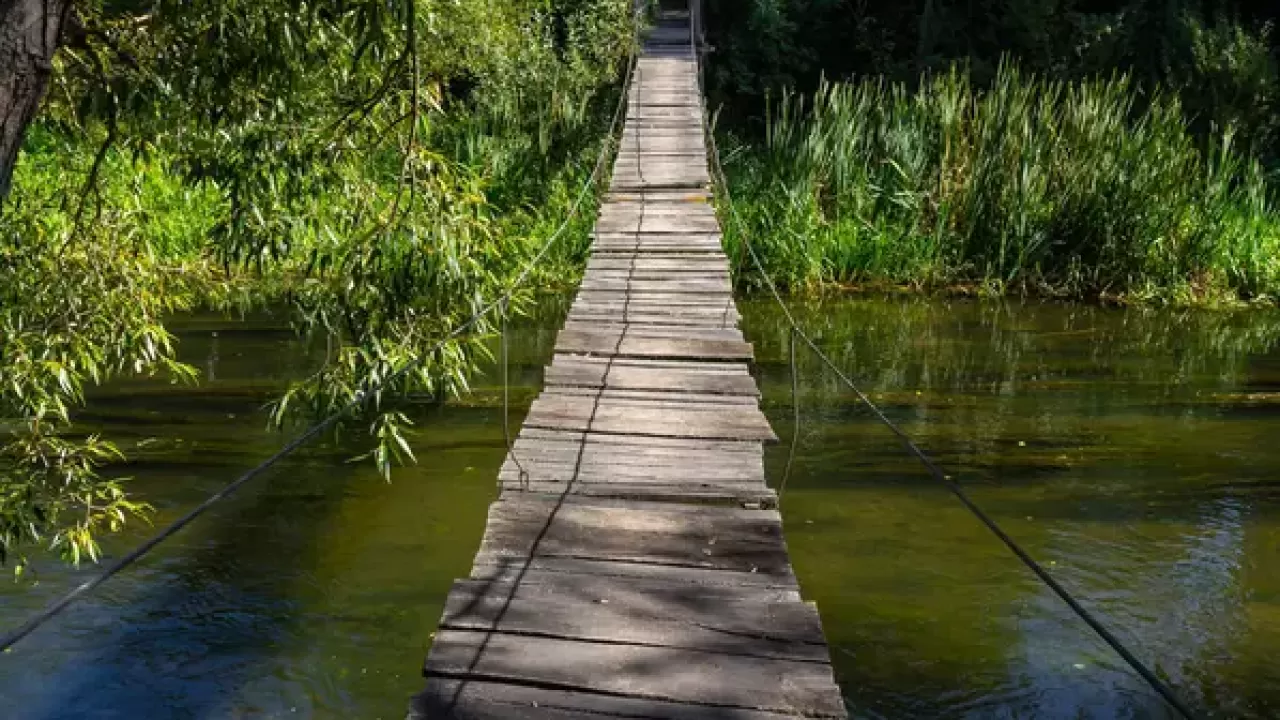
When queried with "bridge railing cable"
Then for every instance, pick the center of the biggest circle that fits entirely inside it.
(1158, 685)
(361, 397)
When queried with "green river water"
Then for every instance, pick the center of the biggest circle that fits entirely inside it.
(1135, 453)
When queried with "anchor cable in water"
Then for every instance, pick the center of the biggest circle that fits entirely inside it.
(62, 603)
(1160, 687)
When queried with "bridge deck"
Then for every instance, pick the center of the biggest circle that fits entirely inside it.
(639, 570)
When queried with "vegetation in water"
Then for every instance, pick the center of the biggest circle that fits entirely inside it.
(1221, 58)
(1129, 153)
(381, 170)
(1056, 187)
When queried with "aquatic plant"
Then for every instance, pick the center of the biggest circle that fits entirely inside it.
(1063, 188)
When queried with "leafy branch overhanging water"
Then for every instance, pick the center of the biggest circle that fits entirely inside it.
(379, 169)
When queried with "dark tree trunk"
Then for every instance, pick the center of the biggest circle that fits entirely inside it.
(29, 33)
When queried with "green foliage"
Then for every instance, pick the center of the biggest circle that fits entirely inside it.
(1053, 187)
(1219, 57)
(77, 309)
(379, 170)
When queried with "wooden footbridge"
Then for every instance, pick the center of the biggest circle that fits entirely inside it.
(634, 564)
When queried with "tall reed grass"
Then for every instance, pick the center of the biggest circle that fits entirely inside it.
(1078, 189)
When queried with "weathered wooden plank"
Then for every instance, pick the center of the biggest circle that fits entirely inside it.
(602, 464)
(660, 135)
(672, 332)
(670, 283)
(682, 94)
(640, 319)
(697, 245)
(529, 470)
(616, 265)
(710, 537)
(594, 456)
(670, 34)
(598, 295)
(640, 445)
(644, 297)
(667, 674)
(704, 493)
(559, 572)
(655, 77)
(666, 283)
(636, 343)
(603, 476)
(652, 111)
(699, 305)
(621, 245)
(684, 237)
(600, 470)
(657, 180)
(719, 368)
(636, 418)
(654, 300)
(702, 306)
(633, 155)
(720, 274)
(446, 699)
(705, 286)
(590, 375)
(714, 261)
(612, 611)
(651, 208)
(633, 244)
(657, 196)
(640, 126)
(709, 304)
(643, 397)
(660, 142)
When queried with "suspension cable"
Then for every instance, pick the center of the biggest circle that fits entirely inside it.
(361, 396)
(795, 417)
(506, 404)
(1161, 688)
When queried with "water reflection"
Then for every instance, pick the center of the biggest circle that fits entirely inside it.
(313, 593)
(1133, 452)
(1126, 449)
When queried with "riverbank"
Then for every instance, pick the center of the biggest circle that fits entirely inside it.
(1079, 190)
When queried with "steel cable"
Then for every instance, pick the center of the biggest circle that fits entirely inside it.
(1161, 688)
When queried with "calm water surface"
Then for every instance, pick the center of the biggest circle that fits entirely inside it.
(1134, 453)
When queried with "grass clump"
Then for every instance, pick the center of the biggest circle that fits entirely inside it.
(1078, 189)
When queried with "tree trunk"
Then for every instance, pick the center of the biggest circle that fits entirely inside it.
(29, 35)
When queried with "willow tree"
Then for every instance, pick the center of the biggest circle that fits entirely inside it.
(376, 166)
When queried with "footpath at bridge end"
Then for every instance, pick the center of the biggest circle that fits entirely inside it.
(634, 563)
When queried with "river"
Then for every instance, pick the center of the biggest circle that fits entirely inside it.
(1133, 452)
